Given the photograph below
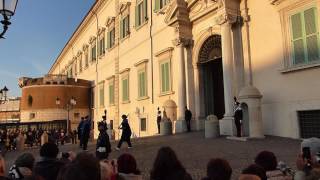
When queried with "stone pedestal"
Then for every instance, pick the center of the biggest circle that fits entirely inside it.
(44, 138)
(226, 126)
(212, 127)
(165, 128)
(180, 126)
(250, 100)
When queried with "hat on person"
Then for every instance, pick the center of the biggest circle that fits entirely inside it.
(25, 160)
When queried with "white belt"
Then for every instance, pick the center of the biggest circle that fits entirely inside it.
(102, 149)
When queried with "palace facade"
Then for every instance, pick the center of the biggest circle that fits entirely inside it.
(144, 54)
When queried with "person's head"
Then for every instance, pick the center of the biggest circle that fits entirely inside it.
(257, 170)
(186, 108)
(124, 116)
(127, 164)
(49, 150)
(25, 160)
(104, 117)
(82, 118)
(267, 160)
(158, 108)
(106, 170)
(219, 169)
(166, 162)
(249, 177)
(84, 167)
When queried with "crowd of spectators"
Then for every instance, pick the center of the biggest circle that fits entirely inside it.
(166, 166)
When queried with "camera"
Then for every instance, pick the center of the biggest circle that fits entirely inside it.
(65, 155)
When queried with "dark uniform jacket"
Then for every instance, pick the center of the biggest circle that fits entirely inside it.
(103, 146)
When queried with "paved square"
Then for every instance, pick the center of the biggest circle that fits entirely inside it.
(194, 151)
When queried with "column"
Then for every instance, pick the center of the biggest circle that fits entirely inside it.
(181, 82)
(226, 125)
(180, 125)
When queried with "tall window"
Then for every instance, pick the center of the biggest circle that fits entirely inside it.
(111, 38)
(80, 62)
(141, 12)
(101, 94)
(305, 37)
(165, 77)
(125, 89)
(101, 45)
(142, 88)
(159, 4)
(124, 27)
(111, 93)
(86, 58)
(93, 51)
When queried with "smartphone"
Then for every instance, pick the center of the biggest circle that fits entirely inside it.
(306, 154)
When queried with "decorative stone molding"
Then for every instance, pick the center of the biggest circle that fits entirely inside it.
(110, 78)
(182, 41)
(85, 47)
(92, 39)
(159, 53)
(124, 70)
(79, 53)
(276, 2)
(199, 8)
(101, 30)
(124, 7)
(227, 18)
(144, 61)
(110, 21)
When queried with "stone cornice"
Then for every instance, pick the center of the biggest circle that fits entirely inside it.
(124, 6)
(276, 2)
(169, 49)
(182, 41)
(81, 27)
(124, 70)
(227, 18)
(141, 62)
(110, 20)
(110, 78)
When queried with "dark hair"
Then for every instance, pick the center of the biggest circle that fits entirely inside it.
(127, 164)
(49, 150)
(255, 169)
(124, 116)
(267, 160)
(219, 169)
(84, 167)
(166, 164)
(25, 160)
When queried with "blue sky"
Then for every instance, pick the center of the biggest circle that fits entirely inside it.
(39, 31)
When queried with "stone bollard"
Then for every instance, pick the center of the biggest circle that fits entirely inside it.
(20, 142)
(44, 138)
(211, 127)
(166, 127)
(181, 126)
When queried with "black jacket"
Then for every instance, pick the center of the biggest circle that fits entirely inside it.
(103, 142)
(126, 130)
(188, 115)
(48, 168)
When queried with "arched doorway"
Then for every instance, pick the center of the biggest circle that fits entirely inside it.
(211, 78)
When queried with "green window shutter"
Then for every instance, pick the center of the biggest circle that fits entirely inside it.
(312, 34)
(156, 5)
(145, 9)
(163, 78)
(139, 85)
(137, 16)
(109, 40)
(111, 94)
(167, 76)
(143, 79)
(121, 28)
(125, 93)
(103, 45)
(297, 38)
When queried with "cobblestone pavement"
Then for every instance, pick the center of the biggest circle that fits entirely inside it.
(194, 151)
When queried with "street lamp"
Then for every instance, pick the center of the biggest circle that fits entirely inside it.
(68, 107)
(7, 9)
(3, 94)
